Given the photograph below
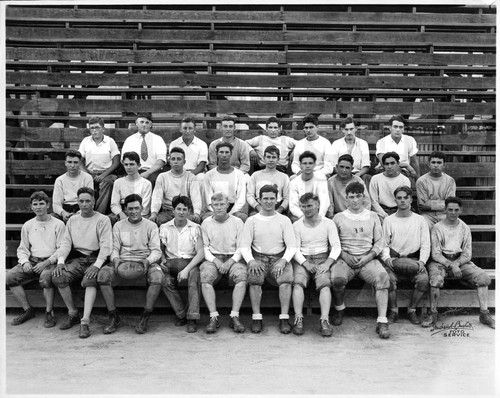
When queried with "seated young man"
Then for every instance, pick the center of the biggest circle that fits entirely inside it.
(64, 197)
(268, 244)
(451, 253)
(41, 240)
(182, 253)
(308, 181)
(318, 247)
(407, 249)
(175, 182)
(272, 137)
(87, 246)
(135, 255)
(221, 234)
(361, 239)
(132, 183)
(382, 185)
(269, 176)
(433, 188)
(228, 179)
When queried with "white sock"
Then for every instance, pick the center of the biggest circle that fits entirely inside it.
(382, 319)
(257, 317)
(340, 307)
(284, 316)
(233, 314)
(214, 314)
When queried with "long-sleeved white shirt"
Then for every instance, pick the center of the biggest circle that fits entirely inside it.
(264, 177)
(169, 185)
(124, 186)
(316, 185)
(221, 237)
(66, 187)
(232, 184)
(323, 151)
(136, 242)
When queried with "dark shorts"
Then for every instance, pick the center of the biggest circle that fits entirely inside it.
(372, 272)
(74, 271)
(16, 276)
(301, 275)
(109, 276)
(471, 274)
(269, 274)
(407, 269)
(211, 275)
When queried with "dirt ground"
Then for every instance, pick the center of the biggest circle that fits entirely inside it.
(167, 360)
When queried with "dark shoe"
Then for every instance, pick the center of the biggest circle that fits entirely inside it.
(191, 326)
(236, 325)
(392, 316)
(69, 322)
(383, 330)
(180, 321)
(413, 317)
(84, 331)
(298, 326)
(114, 323)
(257, 326)
(142, 327)
(486, 319)
(430, 320)
(50, 320)
(338, 318)
(285, 326)
(325, 328)
(213, 325)
(25, 316)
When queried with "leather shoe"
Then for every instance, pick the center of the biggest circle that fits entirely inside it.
(298, 326)
(486, 319)
(213, 325)
(257, 326)
(392, 316)
(25, 316)
(285, 326)
(236, 325)
(383, 330)
(430, 320)
(325, 328)
(50, 320)
(191, 326)
(84, 331)
(114, 323)
(338, 317)
(69, 322)
(413, 317)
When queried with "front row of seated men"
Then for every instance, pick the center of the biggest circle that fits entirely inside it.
(333, 252)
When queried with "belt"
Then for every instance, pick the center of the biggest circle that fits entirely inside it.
(395, 254)
(452, 256)
(71, 208)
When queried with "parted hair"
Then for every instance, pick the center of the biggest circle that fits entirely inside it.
(176, 149)
(347, 158)
(132, 156)
(405, 189)
(73, 154)
(39, 195)
(268, 188)
(346, 121)
(133, 197)
(310, 118)
(272, 149)
(307, 197)
(354, 187)
(273, 119)
(88, 190)
(397, 118)
(390, 155)
(452, 199)
(96, 119)
(224, 145)
(188, 119)
(307, 154)
(182, 199)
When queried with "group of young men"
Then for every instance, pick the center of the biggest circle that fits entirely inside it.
(354, 223)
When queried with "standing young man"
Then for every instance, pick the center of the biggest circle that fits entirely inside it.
(64, 197)
(268, 245)
(318, 247)
(87, 246)
(41, 240)
(221, 234)
(361, 239)
(100, 159)
(182, 253)
(451, 252)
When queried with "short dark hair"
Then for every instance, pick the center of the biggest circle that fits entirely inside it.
(88, 190)
(133, 197)
(228, 118)
(272, 149)
(437, 154)
(176, 149)
(188, 119)
(346, 121)
(182, 199)
(405, 189)
(347, 158)
(307, 197)
(145, 115)
(310, 118)
(73, 154)
(39, 195)
(223, 144)
(397, 118)
(268, 188)
(390, 155)
(354, 187)
(273, 119)
(132, 156)
(453, 199)
(96, 119)
(308, 154)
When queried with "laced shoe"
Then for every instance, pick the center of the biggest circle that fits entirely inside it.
(142, 327)
(413, 317)
(285, 326)
(192, 327)
(114, 323)
(213, 325)
(383, 330)
(50, 320)
(430, 320)
(180, 321)
(338, 317)
(257, 326)
(69, 322)
(325, 328)
(236, 325)
(25, 316)
(84, 331)
(298, 326)
(486, 319)
(392, 316)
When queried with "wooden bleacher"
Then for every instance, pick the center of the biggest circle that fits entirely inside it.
(436, 65)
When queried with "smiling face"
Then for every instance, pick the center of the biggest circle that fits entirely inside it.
(86, 203)
(39, 207)
(181, 212)
(268, 201)
(187, 130)
(228, 127)
(143, 125)
(273, 130)
(453, 211)
(133, 211)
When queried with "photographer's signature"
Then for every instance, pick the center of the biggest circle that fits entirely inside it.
(454, 329)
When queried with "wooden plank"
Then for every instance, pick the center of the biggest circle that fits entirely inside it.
(342, 38)
(353, 299)
(333, 59)
(248, 107)
(244, 80)
(256, 16)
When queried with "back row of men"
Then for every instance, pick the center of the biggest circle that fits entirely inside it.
(266, 247)
(144, 155)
